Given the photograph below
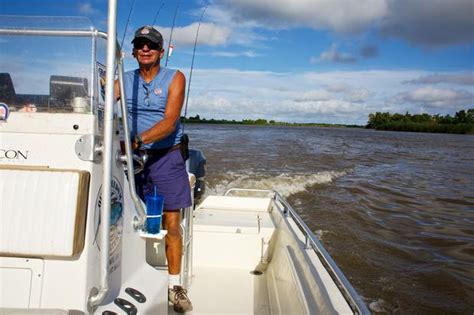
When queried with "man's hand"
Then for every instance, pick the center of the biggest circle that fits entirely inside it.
(137, 142)
(122, 146)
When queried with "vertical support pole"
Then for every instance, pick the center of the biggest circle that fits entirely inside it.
(96, 299)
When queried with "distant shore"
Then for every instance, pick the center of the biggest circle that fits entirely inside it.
(262, 122)
(461, 123)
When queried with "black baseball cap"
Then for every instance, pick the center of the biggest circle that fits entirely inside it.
(150, 33)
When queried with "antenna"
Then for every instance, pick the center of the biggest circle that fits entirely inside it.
(192, 66)
(171, 34)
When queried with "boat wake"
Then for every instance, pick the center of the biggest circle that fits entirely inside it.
(286, 184)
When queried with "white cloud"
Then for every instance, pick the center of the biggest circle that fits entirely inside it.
(430, 22)
(358, 95)
(229, 54)
(88, 9)
(345, 16)
(332, 55)
(333, 97)
(350, 93)
(438, 98)
(464, 78)
(209, 34)
(420, 22)
(313, 96)
(340, 91)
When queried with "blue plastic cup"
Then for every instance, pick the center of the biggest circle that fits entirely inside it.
(154, 211)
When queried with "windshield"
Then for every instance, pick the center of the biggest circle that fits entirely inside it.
(43, 73)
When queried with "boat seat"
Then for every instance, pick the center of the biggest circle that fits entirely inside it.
(7, 90)
(232, 232)
(43, 211)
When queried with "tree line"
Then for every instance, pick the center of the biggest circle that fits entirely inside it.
(262, 122)
(462, 122)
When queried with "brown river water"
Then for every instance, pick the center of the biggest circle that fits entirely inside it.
(394, 209)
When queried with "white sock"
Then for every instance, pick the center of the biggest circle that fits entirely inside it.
(173, 280)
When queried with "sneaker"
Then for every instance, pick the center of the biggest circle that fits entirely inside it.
(180, 300)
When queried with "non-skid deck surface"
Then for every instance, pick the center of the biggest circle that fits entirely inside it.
(227, 291)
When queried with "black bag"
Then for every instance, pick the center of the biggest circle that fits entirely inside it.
(184, 146)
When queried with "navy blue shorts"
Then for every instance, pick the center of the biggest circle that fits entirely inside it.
(168, 173)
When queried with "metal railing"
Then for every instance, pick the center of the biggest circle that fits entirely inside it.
(187, 252)
(139, 220)
(312, 243)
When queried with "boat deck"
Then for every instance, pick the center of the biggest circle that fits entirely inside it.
(227, 291)
(228, 239)
(249, 259)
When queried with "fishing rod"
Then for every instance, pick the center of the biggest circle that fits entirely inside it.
(126, 25)
(158, 12)
(171, 33)
(130, 15)
(192, 67)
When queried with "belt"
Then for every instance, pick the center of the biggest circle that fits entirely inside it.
(161, 152)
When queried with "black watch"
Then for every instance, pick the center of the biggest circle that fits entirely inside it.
(138, 141)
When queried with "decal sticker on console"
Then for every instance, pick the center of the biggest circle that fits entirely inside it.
(116, 223)
(4, 111)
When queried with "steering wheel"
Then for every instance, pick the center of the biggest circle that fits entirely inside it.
(139, 161)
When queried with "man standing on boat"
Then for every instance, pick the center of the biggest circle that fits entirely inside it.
(154, 99)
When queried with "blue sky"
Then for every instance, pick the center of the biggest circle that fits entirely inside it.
(332, 61)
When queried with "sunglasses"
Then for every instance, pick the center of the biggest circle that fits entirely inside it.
(151, 45)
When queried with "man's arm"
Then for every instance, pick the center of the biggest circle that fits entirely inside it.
(174, 103)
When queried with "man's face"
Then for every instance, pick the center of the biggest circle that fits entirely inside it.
(147, 52)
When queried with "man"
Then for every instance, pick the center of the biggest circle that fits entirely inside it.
(154, 99)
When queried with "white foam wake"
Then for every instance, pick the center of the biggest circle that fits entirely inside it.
(286, 184)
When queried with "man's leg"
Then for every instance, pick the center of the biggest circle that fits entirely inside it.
(174, 246)
(174, 243)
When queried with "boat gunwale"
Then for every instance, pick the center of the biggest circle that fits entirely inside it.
(312, 243)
